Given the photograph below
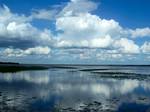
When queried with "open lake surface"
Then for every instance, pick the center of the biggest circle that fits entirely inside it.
(77, 89)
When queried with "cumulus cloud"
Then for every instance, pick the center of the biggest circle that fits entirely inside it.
(87, 26)
(140, 32)
(78, 6)
(44, 14)
(17, 31)
(108, 56)
(7, 16)
(146, 47)
(10, 52)
(125, 45)
(83, 29)
(76, 28)
(86, 30)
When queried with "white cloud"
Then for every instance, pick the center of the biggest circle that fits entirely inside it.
(37, 50)
(44, 14)
(16, 29)
(82, 29)
(125, 45)
(76, 28)
(146, 47)
(87, 26)
(78, 6)
(101, 42)
(108, 56)
(140, 32)
(21, 30)
(86, 30)
(7, 16)
(10, 52)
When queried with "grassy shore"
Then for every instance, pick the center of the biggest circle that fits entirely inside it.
(5, 68)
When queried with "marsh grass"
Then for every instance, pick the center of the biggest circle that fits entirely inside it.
(17, 68)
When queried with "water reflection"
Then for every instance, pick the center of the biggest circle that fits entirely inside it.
(45, 90)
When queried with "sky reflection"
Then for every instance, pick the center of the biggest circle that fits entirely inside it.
(69, 89)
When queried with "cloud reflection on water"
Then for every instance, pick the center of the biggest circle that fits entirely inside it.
(69, 88)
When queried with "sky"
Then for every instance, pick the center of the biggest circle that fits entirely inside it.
(75, 31)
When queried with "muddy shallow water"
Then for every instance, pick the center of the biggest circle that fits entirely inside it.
(84, 89)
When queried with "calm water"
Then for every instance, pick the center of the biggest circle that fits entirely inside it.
(68, 90)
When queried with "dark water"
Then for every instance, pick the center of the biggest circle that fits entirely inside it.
(84, 89)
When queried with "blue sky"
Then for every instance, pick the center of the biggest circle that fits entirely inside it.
(75, 31)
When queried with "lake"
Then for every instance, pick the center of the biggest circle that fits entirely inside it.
(77, 89)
